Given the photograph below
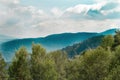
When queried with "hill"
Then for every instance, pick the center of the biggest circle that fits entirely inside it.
(52, 42)
(4, 38)
(82, 46)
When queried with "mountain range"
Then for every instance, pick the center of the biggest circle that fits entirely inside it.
(78, 48)
(4, 38)
(53, 42)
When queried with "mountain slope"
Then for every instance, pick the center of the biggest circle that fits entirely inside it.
(89, 43)
(82, 46)
(108, 32)
(52, 42)
(4, 38)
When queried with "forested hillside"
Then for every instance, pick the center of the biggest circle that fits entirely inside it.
(101, 63)
(78, 48)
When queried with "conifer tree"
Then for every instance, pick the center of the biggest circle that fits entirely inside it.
(117, 38)
(19, 68)
(42, 67)
(3, 70)
(107, 41)
(96, 64)
(60, 59)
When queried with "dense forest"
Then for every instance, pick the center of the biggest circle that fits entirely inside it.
(102, 63)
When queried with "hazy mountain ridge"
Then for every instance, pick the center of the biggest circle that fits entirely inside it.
(51, 42)
(82, 46)
(4, 38)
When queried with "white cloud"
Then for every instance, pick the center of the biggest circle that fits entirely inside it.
(60, 26)
(103, 9)
(29, 21)
(84, 8)
(9, 3)
(57, 12)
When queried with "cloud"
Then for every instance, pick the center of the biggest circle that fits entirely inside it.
(9, 1)
(21, 21)
(83, 8)
(100, 11)
(57, 12)
(18, 20)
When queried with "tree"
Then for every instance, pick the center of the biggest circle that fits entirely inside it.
(3, 71)
(42, 68)
(74, 69)
(107, 41)
(47, 70)
(114, 74)
(38, 53)
(115, 61)
(60, 59)
(95, 64)
(117, 38)
(19, 68)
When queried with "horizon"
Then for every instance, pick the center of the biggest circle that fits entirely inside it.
(32, 19)
(60, 33)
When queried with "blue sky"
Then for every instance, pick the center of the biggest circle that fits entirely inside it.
(37, 18)
(47, 4)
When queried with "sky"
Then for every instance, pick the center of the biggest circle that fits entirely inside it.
(38, 18)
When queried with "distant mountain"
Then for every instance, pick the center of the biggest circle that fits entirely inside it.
(51, 42)
(108, 32)
(87, 44)
(4, 38)
(82, 46)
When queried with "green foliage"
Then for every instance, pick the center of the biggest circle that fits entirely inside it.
(73, 69)
(3, 71)
(46, 70)
(93, 65)
(114, 74)
(115, 58)
(60, 59)
(38, 53)
(107, 41)
(19, 68)
(42, 68)
(117, 38)
(96, 63)
(101, 63)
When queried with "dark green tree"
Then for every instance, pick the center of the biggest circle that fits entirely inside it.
(107, 41)
(74, 69)
(3, 70)
(42, 68)
(38, 53)
(115, 61)
(96, 63)
(60, 59)
(114, 74)
(19, 68)
(47, 70)
(117, 38)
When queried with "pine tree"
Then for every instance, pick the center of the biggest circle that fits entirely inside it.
(38, 53)
(72, 69)
(42, 68)
(3, 70)
(114, 74)
(47, 70)
(19, 68)
(96, 64)
(60, 59)
(117, 38)
(107, 41)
